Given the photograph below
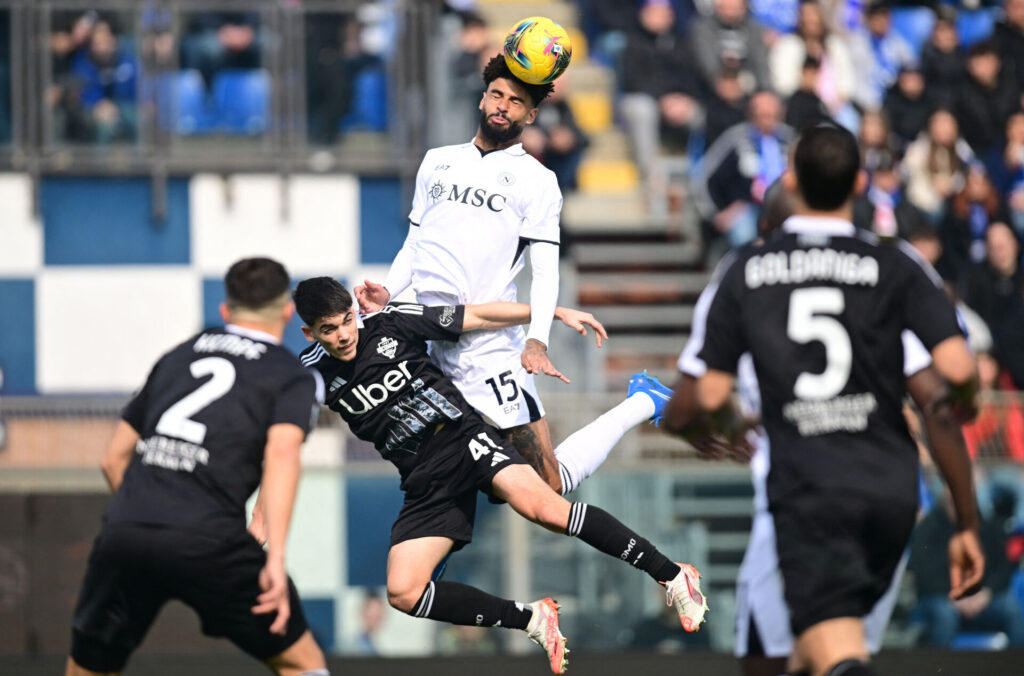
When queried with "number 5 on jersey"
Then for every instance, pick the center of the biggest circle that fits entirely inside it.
(479, 449)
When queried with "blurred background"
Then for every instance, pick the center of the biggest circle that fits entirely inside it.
(146, 145)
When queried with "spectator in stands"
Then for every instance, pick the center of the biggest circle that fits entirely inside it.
(876, 139)
(738, 168)
(105, 76)
(555, 139)
(966, 222)
(993, 285)
(726, 105)
(942, 58)
(883, 207)
(925, 239)
(804, 107)
(474, 46)
(1011, 334)
(909, 104)
(730, 38)
(998, 430)
(836, 79)
(986, 99)
(992, 608)
(661, 93)
(216, 40)
(879, 53)
(935, 164)
(71, 34)
(1009, 38)
(1006, 166)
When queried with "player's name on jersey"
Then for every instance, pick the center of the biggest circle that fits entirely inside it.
(173, 454)
(238, 346)
(843, 414)
(802, 265)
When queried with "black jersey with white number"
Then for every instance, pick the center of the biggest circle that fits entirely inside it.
(821, 308)
(391, 394)
(203, 416)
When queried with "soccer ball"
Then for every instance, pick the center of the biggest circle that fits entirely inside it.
(537, 50)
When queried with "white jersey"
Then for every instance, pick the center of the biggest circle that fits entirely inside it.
(760, 602)
(473, 215)
(476, 213)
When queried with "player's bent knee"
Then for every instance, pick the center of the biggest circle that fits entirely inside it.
(405, 594)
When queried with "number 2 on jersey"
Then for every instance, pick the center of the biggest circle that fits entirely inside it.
(809, 322)
(177, 420)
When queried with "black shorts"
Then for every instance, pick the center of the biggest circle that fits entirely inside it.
(135, 568)
(440, 492)
(838, 551)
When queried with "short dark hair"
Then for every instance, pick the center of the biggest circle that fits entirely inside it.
(826, 161)
(319, 297)
(497, 68)
(255, 283)
(983, 48)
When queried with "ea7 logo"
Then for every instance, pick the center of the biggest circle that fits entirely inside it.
(387, 347)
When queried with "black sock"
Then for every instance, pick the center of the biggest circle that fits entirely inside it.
(461, 604)
(853, 667)
(604, 532)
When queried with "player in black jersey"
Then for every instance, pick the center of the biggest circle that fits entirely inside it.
(217, 413)
(381, 381)
(821, 308)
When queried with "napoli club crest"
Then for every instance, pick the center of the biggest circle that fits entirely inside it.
(387, 347)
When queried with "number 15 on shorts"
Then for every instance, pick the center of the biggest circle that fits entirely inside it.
(506, 391)
(482, 445)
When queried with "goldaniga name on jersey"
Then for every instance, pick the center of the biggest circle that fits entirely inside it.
(239, 346)
(802, 265)
(370, 396)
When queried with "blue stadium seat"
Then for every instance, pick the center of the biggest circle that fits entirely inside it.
(369, 102)
(241, 101)
(977, 25)
(914, 24)
(188, 101)
(981, 640)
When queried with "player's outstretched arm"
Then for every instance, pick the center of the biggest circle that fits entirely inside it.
(281, 469)
(947, 448)
(119, 454)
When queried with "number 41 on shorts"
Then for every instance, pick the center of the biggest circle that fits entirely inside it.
(479, 449)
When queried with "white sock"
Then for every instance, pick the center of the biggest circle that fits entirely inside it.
(584, 450)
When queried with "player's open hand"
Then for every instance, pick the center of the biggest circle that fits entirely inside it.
(966, 563)
(274, 583)
(578, 321)
(371, 296)
(535, 360)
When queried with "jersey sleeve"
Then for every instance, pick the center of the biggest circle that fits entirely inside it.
(915, 357)
(723, 337)
(928, 314)
(295, 402)
(425, 322)
(419, 196)
(540, 223)
(134, 412)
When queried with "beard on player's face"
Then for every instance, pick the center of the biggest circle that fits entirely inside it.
(497, 134)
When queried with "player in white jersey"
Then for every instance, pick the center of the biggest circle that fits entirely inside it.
(477, 207)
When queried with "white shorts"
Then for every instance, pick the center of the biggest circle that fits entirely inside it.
(761, 606)
(486, 367)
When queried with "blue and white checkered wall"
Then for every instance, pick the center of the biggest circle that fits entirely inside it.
(94, 290)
